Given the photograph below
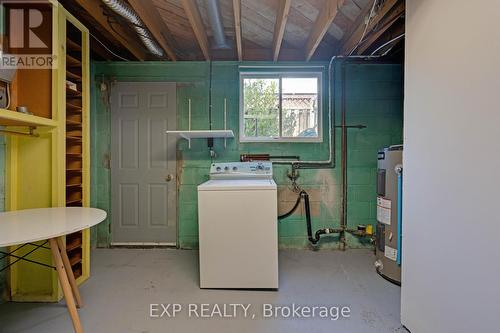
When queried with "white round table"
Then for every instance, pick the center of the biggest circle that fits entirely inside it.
(31, 225)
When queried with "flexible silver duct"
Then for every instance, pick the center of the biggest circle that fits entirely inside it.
(216, 24)
(124, 10)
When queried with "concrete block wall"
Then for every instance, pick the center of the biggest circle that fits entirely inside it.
(373, 98)
(100, 180)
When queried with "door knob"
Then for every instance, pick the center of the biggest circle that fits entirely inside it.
(169, 177)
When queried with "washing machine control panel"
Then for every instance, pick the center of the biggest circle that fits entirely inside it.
(259, 169)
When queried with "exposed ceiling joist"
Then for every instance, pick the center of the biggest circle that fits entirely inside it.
(351, 41)
(191, 9)
(279, 27)
(358, 24)
(264, 54)
(151, 18)
(93, 7)
(393, 33)
(321, 25)
(237, 27)
(385, 23)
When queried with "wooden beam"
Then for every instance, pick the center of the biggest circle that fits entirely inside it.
(384, 24)
(393, 31)
(191, 9)
(353, 28)
(351, 41)
(286, 54)
(237, 27)
(279, 27)
(323, 22)
(151, 18)
(97, 49)
(94, 9)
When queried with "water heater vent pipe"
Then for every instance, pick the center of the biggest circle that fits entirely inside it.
(216, 25)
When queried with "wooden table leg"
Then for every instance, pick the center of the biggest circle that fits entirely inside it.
(69, 272)
(63, 279)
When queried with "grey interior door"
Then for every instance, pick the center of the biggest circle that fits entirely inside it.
(143, 163)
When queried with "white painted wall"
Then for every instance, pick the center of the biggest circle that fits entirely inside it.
(451, 208)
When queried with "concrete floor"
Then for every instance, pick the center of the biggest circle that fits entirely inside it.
(125, 282)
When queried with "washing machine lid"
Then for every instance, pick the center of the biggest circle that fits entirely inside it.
(237, 185)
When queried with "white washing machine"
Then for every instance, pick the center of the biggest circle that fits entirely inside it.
(238, 227)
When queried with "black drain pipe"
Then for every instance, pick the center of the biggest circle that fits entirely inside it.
(313, 239)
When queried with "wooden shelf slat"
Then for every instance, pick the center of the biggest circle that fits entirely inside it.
(73, 122)
(75, 260)
(73, 201)
(72, 62)
(72, 107)
(74, 244)
(73, 93)
(72, 45)
(73, 185)
(75, 138)
(77, 272)
(73, 76)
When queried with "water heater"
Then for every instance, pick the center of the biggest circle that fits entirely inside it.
(389, 221)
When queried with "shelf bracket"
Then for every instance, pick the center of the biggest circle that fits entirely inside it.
(188, 140)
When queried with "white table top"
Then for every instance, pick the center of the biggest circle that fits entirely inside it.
(31, 225)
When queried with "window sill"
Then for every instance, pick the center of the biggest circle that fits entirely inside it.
(281, 140)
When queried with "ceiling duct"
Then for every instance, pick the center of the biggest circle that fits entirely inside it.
(125, 11)
(216, 25)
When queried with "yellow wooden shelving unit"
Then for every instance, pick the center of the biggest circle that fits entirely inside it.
(13, 118)
(48, 169)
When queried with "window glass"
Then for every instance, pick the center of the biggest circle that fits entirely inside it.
(300, 107)
(283, 107)
(261, 107)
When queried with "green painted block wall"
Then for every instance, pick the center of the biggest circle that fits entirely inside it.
(100, 175)
(373, 98)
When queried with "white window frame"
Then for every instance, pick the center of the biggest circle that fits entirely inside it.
(280, 76)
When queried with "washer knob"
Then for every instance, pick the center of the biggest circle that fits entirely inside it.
(226, 168)
(217, 169)
(235, 168)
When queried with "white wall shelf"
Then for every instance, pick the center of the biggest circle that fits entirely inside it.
(203, 134)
